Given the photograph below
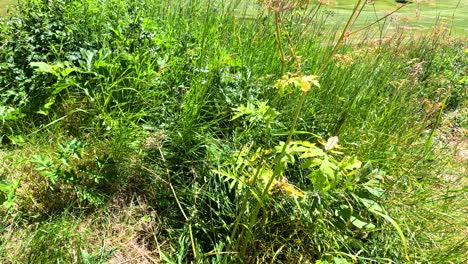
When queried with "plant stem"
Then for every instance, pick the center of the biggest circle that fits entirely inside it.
(378, 20)
(280, 44)
(293, 51)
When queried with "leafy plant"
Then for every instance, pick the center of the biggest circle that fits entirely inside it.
(8, 193)
(64, 169)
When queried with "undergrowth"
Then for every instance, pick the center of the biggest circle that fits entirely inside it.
(192, 131)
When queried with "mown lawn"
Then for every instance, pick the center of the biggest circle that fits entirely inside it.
(4, 6)
(418, 17)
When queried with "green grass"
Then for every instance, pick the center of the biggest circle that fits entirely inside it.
(417, 16)
(4, 6)
(185, 131)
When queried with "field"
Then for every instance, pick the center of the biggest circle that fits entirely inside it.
(417, 18)
(3, 6)
(201, 131)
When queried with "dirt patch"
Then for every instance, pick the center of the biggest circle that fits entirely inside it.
(133, 252)
(462, 151)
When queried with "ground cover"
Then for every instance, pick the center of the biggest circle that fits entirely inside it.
(200, 131)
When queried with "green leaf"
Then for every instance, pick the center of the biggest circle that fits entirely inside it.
(167, 258)
(49, 103)
(320, 181)
(230, 177)
(62, 86)
(8, 193)
(43, 162)
(372, 205)
(17, 140)
(375, 191)
(45, 166)
(377, 209)
(398, 229)
(297, 149)
(43, 67)
(311, 163)
(337, 260)
(45, 109)
(65, 72)
(10, 113)
(312, 152)
(328, 169)
(87, 258)
(350, 163)
(304, 143)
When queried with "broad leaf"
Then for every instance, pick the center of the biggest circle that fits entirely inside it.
(361, 224)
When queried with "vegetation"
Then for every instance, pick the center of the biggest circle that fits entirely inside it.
(229, 132)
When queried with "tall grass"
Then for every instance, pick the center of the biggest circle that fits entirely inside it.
(195, 108)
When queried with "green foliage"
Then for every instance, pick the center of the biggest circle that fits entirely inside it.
(223, 120)
(335, 183)
(57, 240)
(64, 168)
(448, 78)
(7, 192)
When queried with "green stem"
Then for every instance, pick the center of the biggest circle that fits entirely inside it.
(349, 23)
(428, 144)
(293, 51)
(278, 165)
(278, 170)
(378, 20)
(280, 44)
(243, 207)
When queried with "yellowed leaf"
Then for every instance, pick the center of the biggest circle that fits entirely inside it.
(305, 85)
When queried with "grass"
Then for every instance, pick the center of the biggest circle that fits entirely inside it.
(4, 6)
(419, 16)
(205, 131)
(416, 18)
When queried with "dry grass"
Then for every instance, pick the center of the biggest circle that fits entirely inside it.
(129, 229)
